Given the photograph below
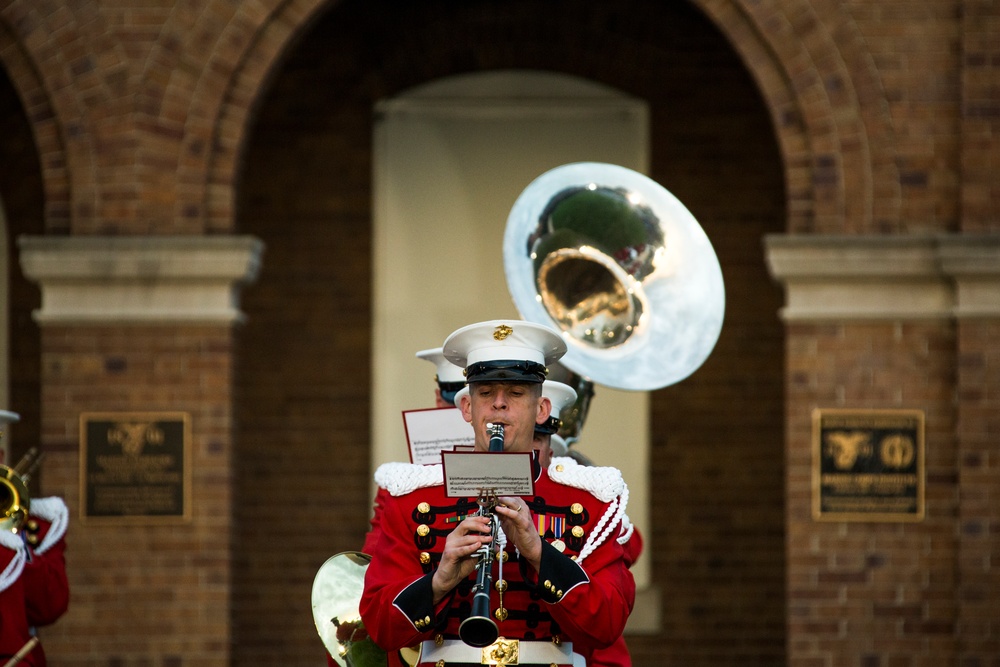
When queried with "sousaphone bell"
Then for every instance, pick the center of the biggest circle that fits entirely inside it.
(336, 598)
(615, 263)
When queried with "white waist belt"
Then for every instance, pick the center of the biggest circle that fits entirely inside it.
(501, 652)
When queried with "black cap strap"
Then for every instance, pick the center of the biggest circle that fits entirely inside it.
(549, 427)
(506, 370)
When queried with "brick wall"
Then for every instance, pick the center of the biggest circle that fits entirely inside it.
(141, 589)
(980, 63)
(978, 474)
(303, 492)
(978, 367)
(871, 593)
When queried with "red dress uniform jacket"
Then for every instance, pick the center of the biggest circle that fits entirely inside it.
(617, 655)
(583, 593)
(34, 590)
(371, 539)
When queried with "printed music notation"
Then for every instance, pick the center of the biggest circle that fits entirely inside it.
(432, 431)
(504, 473)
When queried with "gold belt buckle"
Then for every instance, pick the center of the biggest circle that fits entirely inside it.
(501, 653)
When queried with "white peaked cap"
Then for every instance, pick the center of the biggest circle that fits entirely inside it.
(558, 445)
(446, 371)
(560, 395)
(504, 340)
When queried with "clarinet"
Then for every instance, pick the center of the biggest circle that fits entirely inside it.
(479, 629)
(496, 437)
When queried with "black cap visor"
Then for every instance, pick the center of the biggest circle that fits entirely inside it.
(505, 371)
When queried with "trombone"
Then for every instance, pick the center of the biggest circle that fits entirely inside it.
(15, 501)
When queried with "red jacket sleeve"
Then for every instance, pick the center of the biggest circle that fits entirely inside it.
(46, 586)
(371, 539)
(616, 655)
(13, 621)
(45, 582)
(633, 547)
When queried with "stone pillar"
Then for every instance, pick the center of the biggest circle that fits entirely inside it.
(143, 325)
(973, 262)
(883, 323)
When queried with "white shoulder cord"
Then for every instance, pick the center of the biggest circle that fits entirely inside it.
(402, 478)
(53, 510)
(626, 534)
(605, 484)
(607, 523)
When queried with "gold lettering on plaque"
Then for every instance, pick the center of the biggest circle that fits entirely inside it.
(868, 465)
(134, 465)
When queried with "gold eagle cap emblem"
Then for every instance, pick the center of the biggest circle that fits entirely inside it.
(501, 332)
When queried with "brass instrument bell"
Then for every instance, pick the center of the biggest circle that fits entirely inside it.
(615, 263)
(15, 501)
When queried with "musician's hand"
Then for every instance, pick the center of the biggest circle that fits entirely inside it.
(517, 524)
(458, 560)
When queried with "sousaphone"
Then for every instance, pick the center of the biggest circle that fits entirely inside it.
(618, 265)
(336, 598)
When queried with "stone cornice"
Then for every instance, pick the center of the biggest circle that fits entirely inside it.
(140, 280)
(886, 277)
(974, 263)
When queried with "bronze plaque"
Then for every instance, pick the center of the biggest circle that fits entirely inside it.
(135, 466)
(868, 465)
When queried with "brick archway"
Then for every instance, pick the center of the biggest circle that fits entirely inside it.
(157, 104)
(813, 71)
(829, 111)
(812, 67)
(48, 136)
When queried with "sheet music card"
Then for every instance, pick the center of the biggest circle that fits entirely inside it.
(506, 473)
(434, 430)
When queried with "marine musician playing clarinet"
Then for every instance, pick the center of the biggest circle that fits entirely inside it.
(561, 588)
